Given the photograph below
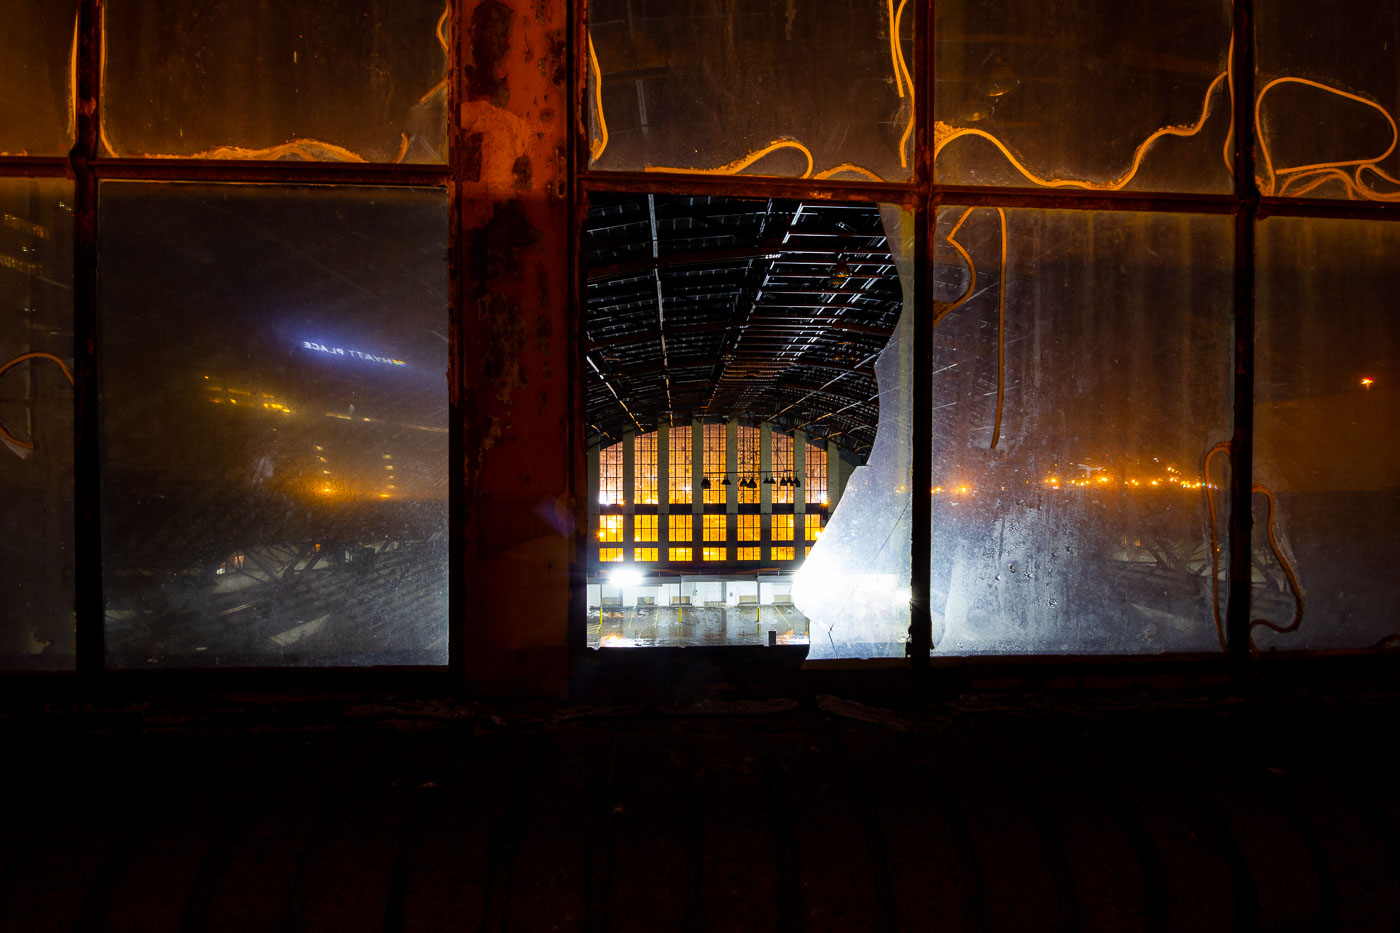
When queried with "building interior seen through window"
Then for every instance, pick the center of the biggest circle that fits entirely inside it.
(732, 395)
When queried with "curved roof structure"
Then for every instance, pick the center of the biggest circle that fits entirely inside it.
(714, 307)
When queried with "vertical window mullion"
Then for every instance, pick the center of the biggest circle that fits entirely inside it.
(1242, 439)
(457, 478)
(921, 422)
(89, 608)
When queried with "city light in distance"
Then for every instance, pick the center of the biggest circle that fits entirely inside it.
(351, 354)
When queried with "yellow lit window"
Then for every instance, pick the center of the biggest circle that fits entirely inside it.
(644, 470)
(747, 463)
(816, 475)
(679, 529)
(782, 528)
(749, 553)
(610, 475)
(782, 468)
(644, 528)
(714, 463)
(609, 555)
(750, 529)
(814, 527)
(783, 553)
(680, 466)
(716, 528)
(809, 549)
(644, 555)
(610, 528)
(680, 554)
(713, 553)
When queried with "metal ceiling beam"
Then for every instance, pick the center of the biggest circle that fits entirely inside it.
(641, 267)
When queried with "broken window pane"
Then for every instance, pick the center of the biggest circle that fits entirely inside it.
(1327, 490)
(775, 87)
(854, 583)
(299, 79)
(36, 76)
(1079, 388)
(275, 444)
(1327, 98)
(1091, 94)
(746, 334)
(36, 423)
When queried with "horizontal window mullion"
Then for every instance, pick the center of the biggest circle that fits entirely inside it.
(1080, 200)
(1332, 210)
(216, 170)
(35, 167)
(750, 186)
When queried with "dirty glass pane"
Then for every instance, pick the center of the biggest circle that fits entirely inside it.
(1327, 385)
(36, 423)
(36, 82)
(299, 79)
(1095, 94)
(751, 336)
(275, 444)
(1079, 387)
(1327, 95)
(774, 87)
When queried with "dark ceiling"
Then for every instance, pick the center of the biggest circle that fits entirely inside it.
(713, 308)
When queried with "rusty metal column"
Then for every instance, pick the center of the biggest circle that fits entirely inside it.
(514, 394)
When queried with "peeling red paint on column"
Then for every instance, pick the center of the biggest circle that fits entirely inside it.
(515, 288)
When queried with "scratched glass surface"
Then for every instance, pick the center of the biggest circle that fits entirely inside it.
(1082, 94)
(299, 79)
(275, 445)
(1080, 383)
(774, 87)
(36, 83)
(36, 423)
(1327, 89)
(1326, 463)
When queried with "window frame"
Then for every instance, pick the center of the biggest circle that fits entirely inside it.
(923, 197)
(87, 168)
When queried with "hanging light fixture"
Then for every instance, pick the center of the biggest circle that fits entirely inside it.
(840, 273)
(705, 482)
(725, 482)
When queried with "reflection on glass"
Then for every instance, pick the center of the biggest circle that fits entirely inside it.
(299, 79)
(1083, 94)
(36, 80)
(773, 87)
(36, 423)
(1325, 415)
(1079, 385)
(275, 425)
(1327, 96)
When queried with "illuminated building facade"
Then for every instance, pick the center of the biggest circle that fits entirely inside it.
(765, 499)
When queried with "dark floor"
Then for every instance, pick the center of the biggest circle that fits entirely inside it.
(1118, 812)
